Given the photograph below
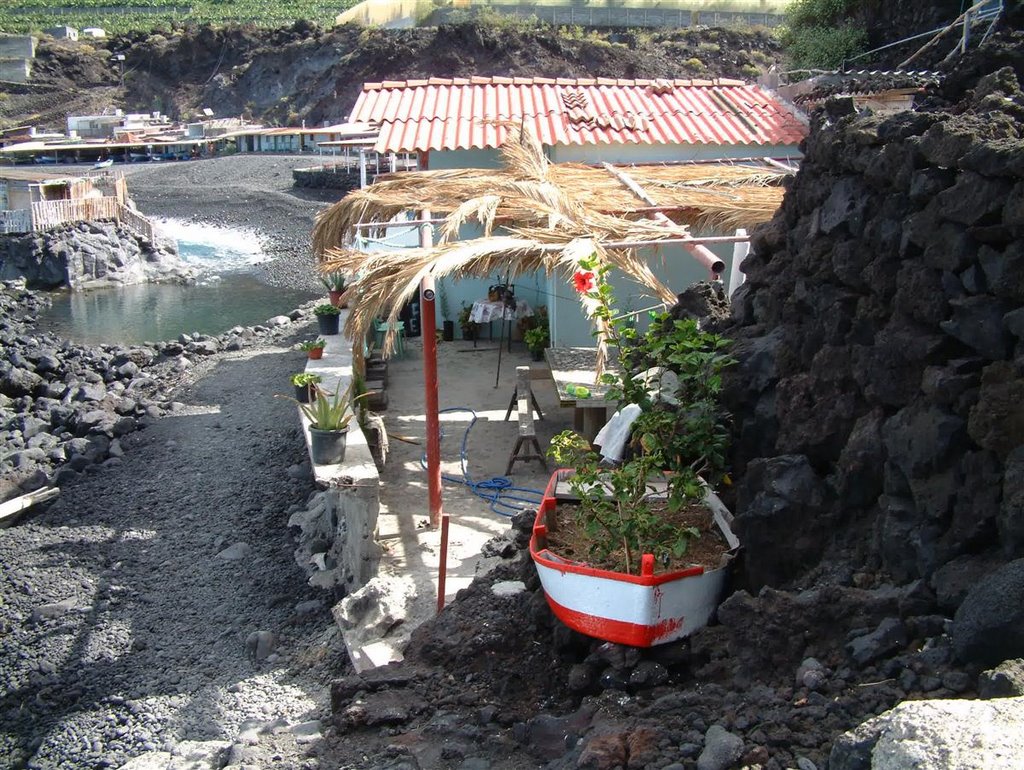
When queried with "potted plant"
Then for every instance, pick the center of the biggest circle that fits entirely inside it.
(304, 384)
(314, 348)
(537, 339)
(329, 416)
(467, 326)
(327, 318)
(637, 553)
(335, 283)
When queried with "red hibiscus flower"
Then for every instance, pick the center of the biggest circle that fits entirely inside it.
(584, 281)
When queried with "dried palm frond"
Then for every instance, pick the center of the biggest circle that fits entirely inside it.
(555, 215)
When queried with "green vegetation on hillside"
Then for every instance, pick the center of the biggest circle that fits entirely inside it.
(145, 15)
(820, 33)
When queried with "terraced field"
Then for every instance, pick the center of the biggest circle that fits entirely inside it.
(145, 15)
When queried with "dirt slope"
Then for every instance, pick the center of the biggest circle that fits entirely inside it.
(303, 73)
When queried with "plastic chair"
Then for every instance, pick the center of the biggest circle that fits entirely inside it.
(381, 330)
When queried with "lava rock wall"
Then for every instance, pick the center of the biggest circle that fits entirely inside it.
(88, 255)
(879, 399)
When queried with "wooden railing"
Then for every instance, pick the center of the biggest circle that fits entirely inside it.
(46, 214)
(135, 222)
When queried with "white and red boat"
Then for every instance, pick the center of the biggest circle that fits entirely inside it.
(639, 610)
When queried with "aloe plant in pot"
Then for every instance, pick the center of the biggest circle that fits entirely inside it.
(329, 415)
(327, 318)
(335, 283)
(637, 552)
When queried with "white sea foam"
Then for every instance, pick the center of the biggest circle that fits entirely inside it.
(212, 248)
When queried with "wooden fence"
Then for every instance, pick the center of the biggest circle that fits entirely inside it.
(47, 214)
(135, 222)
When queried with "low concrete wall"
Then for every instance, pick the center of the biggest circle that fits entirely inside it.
(336, 542)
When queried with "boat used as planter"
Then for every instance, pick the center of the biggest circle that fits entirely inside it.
(638, 610)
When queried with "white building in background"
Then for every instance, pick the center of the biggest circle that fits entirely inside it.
(116, 123)
(16, 55)
(62, 32)
(96, 33)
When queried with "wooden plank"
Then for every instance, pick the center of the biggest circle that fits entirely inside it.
(524, 406)
(11, 508)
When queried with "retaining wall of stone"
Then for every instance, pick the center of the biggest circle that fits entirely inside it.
(880, 397)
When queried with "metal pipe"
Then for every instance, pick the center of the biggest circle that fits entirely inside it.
(401, 223)
(428, 321)
(442, 568)
(701, 253)
(700, 239)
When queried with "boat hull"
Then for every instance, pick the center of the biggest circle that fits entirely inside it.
(637, 610)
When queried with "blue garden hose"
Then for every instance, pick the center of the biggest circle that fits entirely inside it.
(498, 491)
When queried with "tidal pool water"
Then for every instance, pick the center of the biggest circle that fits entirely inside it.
(228, 293)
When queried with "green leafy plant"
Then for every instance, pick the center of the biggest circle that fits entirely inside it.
(336, 281)
(467, 326)
(318, 343)
(673, 372)
(307, 379)
(326, 309)
(537, 338)
(822, 33)
(442, 297)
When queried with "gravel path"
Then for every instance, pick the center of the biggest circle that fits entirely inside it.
(131, 609)
(253, 192)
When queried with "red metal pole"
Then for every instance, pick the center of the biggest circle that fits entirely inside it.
(442, 569)
(428, 324)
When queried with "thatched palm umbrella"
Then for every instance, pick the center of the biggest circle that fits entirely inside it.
(553, 216)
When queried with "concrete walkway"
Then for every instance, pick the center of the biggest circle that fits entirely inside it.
(405, 592)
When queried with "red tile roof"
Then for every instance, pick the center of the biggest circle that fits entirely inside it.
(464, 113)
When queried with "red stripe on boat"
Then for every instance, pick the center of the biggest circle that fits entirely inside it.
(621, 632)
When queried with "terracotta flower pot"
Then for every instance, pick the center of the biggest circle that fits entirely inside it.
(316, 353)
(335, 297)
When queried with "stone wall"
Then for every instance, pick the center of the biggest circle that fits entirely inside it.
(88, 255)
(879, 400)
(325, 177)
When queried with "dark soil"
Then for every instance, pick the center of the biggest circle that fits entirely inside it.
(301, 73)
(569, 539)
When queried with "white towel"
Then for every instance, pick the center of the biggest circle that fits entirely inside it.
(613, 436)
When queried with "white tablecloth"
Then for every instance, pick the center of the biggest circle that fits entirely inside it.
(484, 312)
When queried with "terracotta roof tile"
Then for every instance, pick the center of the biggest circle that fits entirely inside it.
(461, 113)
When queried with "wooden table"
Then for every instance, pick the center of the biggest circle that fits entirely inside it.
(578, 366)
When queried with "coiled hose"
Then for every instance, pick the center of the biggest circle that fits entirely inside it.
(504, 498)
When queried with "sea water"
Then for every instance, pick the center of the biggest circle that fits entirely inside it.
(228, 293)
